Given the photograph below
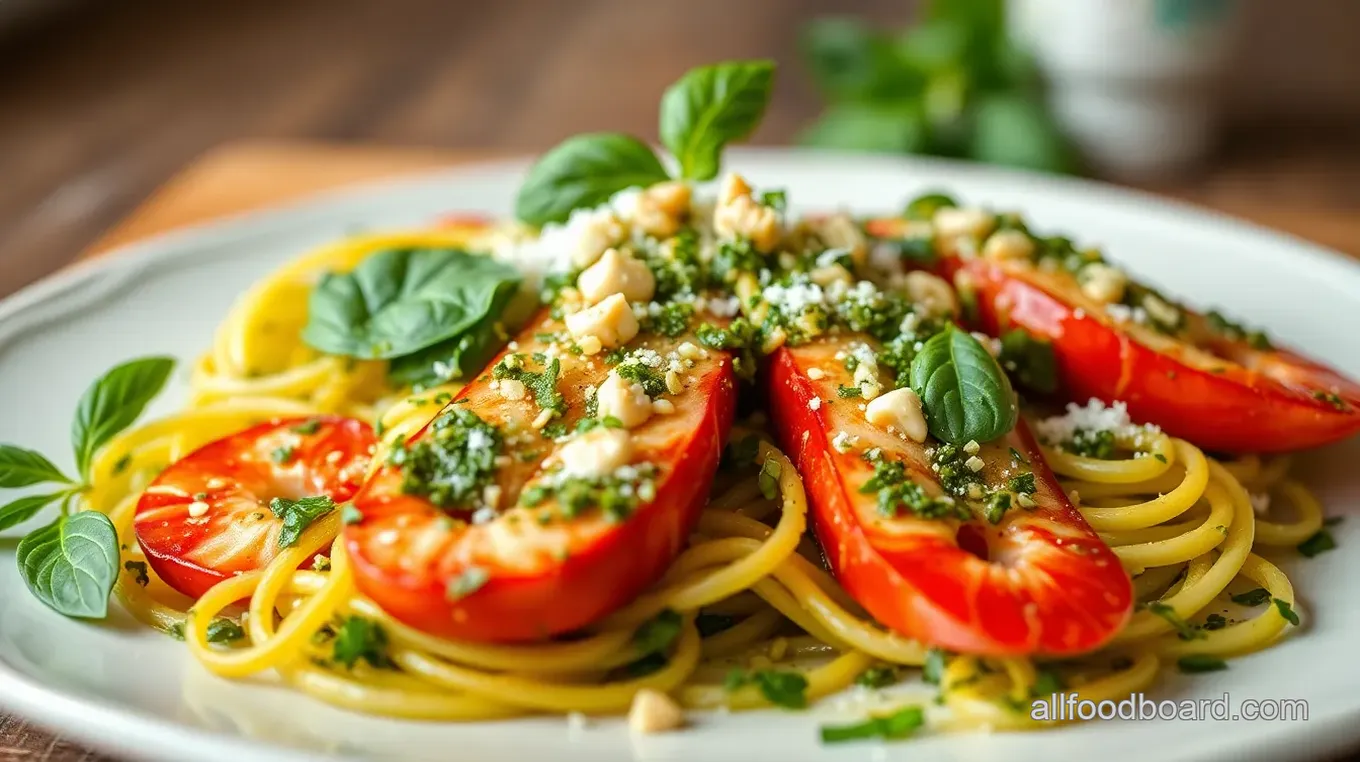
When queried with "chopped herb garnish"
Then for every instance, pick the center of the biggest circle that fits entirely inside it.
(878, 677)
(351, 515)
(896, 492)
(768, 479)
(543, 384)
(223, 630)
(932, 671)
(299, 514)
(1235, 331)
(1320, 542)
(1287, 611)
(1183, 628)
(1091, 443)
(741, 453)
(1192, 664)
(616, 494)
(1030, 361)
(672, 320)
(849, 392)
(1018, 457)
(1252, 597)
(786, 689)
(358, 638)
(658, 633)
(1331, 398)
(652, 381)
(282, 455)
(138, 569)
(996, 506)
(1022, 484)
(1214, 622)
(308, 427)
(899, 724)
(452, 463)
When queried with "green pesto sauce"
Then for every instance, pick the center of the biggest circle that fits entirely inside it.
(454, 461)
(616, 495)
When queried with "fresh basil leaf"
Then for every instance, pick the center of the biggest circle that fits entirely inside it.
(299, 514)
(224, 631)
(899, 724)
(451, 359)
(20, 468)
(401, 301)
(113, 402)
(965, 393)
(851, 62)
(880, 128)
(25, 508)
(658, 633)
(710, 107)
(1015, 130)
(71, 564)
(358, 638)
(584, 171)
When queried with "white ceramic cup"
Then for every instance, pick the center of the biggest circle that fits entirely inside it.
(1132, 82)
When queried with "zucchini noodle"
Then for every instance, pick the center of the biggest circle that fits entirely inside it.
(1181, 522)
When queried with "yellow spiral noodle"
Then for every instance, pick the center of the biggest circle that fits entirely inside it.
(1182, 523)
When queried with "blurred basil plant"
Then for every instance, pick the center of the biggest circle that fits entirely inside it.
(953, 85)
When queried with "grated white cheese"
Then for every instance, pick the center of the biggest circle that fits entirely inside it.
(1260, 503)
(844, 442)
(1122, 313)
(815, 404)
(1094, 416)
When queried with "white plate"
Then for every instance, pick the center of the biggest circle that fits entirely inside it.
(136, 692)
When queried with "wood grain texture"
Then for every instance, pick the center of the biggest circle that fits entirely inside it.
(106, 106)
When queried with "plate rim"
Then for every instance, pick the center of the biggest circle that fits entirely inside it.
(140, 735)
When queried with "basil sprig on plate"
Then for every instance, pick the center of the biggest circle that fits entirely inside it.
(710, 107)
(71, 564)
(966, 395)
(701, 113)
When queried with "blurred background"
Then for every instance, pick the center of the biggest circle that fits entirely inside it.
(1249, 107)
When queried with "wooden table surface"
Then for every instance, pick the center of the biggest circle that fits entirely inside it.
(101, 110)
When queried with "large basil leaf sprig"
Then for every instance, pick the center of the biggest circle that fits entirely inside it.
(71, 564)
(401, 301)
(966, 395)
(710, 107)
(584, 171)
(701, 113)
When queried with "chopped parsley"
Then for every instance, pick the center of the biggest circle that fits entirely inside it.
(451, 464)
(1235, 331)
(616, 494)
(139, 571)
(299, 514)
(900, 724)
(651, 380)
(1214, 622)
(895, 492)
(741, 453)
(358, 638)
(741, 337)
(308, 427)
(1183, 628)
(223, 630)
(1252, 597)
(1091, 443)
(1193, 664)
(543, 384)
(768, 480)
(1287, 611)
(283, 455)
(1320, 542)
(786, 689)
(658, 633)
(995, 507)
(849, 392)
(932, 671)
(1331, 398)
(878, 677)
(1022, 484)
(950, 463)
(672, 320)
(1030, 361)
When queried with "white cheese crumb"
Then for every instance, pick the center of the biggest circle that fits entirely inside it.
(1094, 416)
(844, 442)
(198, 509)
(972, 447)
(815, 403)
(816, 374)
(974, 464)
(654, 712)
